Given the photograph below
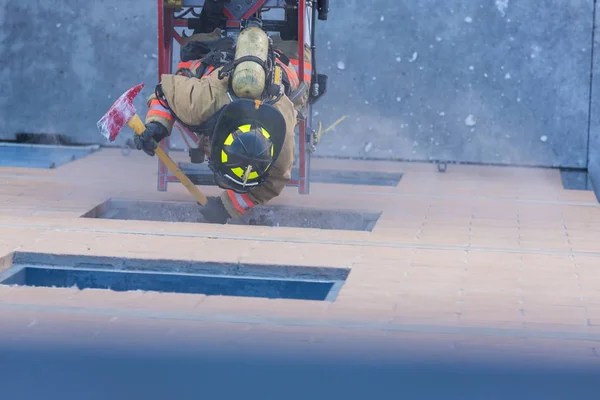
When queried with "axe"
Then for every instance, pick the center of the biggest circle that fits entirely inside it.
(123, 113)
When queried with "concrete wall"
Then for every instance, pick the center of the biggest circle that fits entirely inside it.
(478, 81)
(65, 62)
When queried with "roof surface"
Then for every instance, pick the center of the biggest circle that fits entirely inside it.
(481, 260)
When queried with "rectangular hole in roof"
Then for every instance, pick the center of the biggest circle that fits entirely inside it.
(295, 217)
(174, 276)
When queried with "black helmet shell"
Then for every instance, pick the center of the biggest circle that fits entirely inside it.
(247, 133)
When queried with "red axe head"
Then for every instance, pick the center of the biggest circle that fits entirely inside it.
(117, 116)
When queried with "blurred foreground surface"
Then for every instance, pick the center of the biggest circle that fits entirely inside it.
(164, 364)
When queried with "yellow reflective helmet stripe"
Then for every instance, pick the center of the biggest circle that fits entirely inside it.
(238, 171)
(245, 128)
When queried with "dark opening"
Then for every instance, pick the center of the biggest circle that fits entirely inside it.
(43, 138)
(121, 281)
(260, 215)
(172, 276)
(199, 174)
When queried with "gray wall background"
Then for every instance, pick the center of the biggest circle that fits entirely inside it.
(65, 62)
(494, 81)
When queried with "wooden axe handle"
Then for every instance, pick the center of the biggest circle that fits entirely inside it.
(138, 127)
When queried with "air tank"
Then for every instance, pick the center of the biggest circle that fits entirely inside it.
(249, 77)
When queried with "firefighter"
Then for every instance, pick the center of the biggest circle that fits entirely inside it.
(249, 144)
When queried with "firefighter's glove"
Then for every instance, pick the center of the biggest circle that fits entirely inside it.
(214, 211)
(149, 139)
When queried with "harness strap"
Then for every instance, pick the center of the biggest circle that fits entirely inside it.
(285, 59)
(229, 67)
(300, 90)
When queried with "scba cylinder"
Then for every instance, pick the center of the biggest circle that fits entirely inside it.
(249, 78)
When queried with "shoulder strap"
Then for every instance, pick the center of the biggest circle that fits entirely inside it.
(230, 66)
(284, 59)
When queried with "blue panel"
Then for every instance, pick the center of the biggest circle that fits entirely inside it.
(170, 283)
(40, 156)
